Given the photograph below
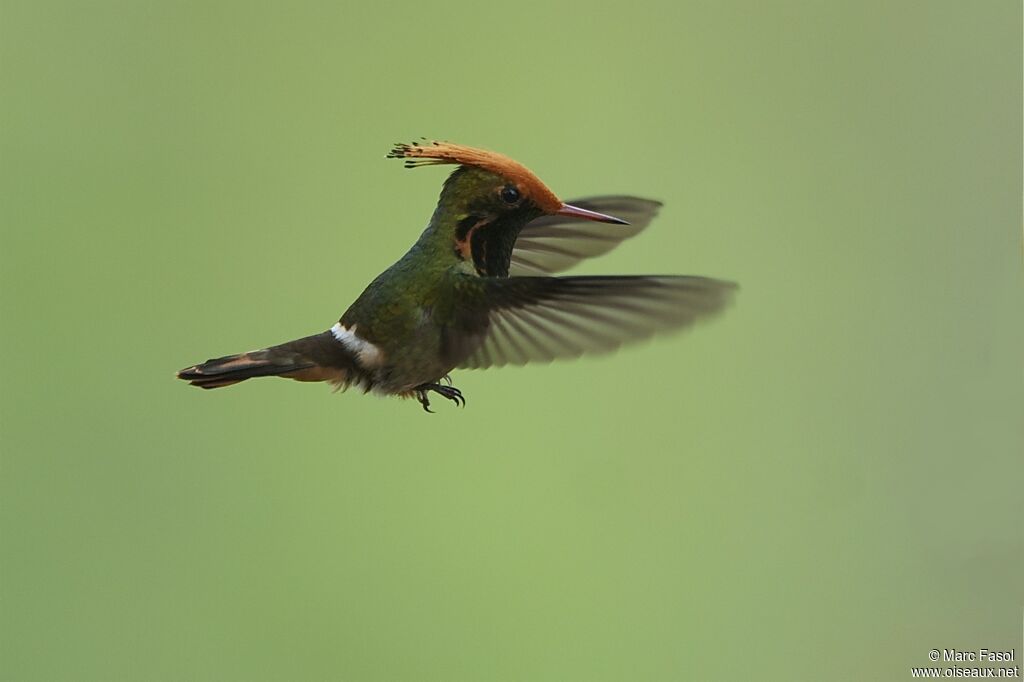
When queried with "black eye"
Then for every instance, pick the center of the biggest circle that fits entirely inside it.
(509, 194)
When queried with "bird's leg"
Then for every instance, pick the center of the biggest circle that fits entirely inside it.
(449, 392)
(421, 395)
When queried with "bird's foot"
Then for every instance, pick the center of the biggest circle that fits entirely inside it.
(449, 392)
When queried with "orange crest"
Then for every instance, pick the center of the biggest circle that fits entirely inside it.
(430, 153)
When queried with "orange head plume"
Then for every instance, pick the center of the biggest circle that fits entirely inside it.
(431, 153)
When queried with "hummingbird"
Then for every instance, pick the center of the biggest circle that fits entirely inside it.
(476, 289)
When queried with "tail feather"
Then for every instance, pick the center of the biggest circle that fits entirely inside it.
(314, 358)
(234, 368)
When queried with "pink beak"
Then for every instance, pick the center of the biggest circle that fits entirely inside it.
(577, 212)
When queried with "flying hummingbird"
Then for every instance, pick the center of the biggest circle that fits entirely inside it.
(475, 289)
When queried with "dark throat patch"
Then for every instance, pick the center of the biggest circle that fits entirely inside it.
(488, 241)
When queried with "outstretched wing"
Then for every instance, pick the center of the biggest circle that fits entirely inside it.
(539, 319)
(555, 243)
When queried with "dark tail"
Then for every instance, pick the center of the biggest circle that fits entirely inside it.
(315, 358)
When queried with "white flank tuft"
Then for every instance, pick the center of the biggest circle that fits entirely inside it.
(366, 353)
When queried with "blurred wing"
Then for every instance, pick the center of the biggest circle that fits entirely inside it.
(555, 243)
(539, 319)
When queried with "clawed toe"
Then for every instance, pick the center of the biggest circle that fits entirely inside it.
(449, 392)
(453, 394)
(424, 401)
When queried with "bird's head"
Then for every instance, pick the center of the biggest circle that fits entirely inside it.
(488, 200)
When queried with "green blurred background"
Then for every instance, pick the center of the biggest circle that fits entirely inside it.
(824, 483)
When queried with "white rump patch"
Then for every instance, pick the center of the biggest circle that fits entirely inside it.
(366, 353)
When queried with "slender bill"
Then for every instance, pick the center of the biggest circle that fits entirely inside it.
(577, 212)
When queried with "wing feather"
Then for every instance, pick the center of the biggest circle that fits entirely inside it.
(540, 319)
(555, 243)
